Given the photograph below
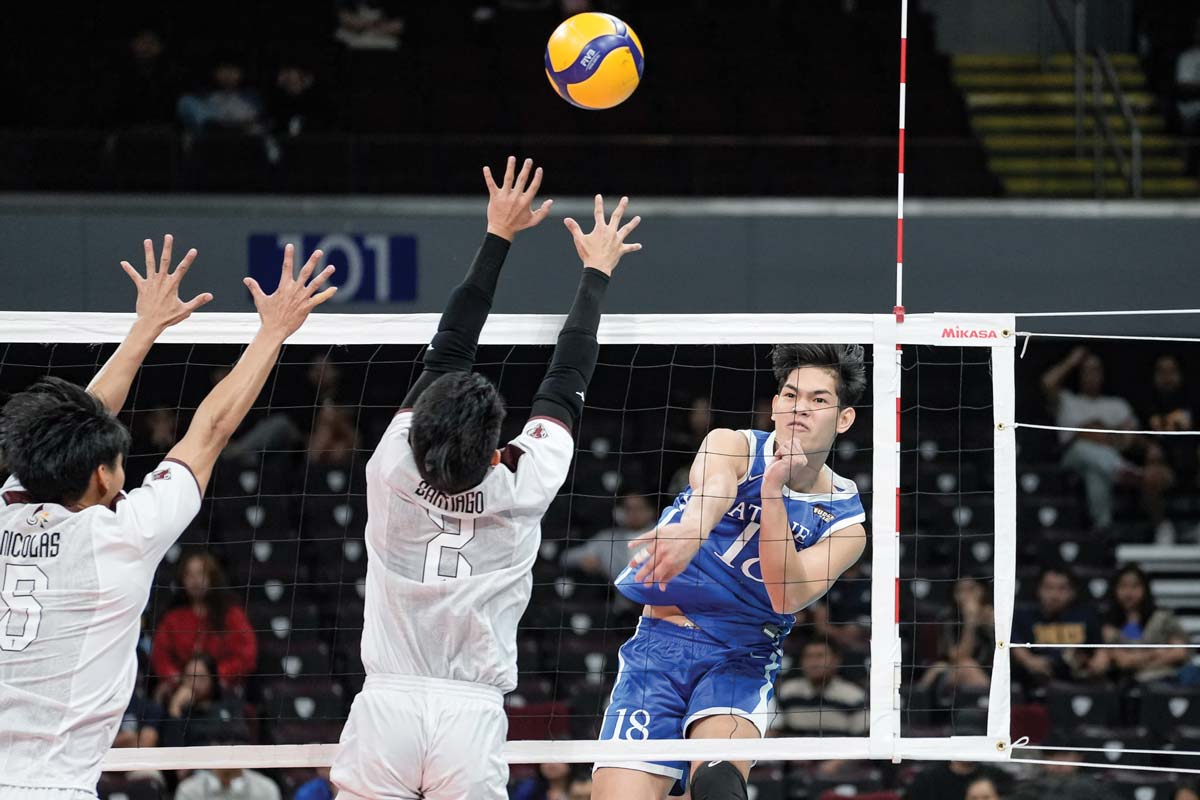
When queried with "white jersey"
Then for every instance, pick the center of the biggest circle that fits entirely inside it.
(448, 576)
(73, 588)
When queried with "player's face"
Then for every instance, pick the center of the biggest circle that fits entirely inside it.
(806, 410)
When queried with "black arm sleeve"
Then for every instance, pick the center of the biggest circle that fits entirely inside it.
(561, 394)
(453, 347)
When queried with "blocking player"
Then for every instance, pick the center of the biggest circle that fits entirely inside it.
(454, 527)
(77, 555)
(762, 531)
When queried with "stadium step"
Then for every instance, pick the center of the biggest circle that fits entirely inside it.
(1058, 61)
(1054, 186)
(1022, 109)
(1024, 123)
(1007, 166)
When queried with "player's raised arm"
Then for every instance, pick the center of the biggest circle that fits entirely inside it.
(562, 391)
(158, 308)
(665, 551)
(281, 314)
(795, 579)
(509, 210)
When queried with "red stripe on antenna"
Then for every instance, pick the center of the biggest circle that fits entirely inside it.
(897, 601)
(902, 151)
(900, 240)
(903, 59)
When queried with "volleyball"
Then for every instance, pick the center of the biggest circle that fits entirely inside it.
(594, 60)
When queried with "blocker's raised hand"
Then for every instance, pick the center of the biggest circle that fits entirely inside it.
(284, 310)
(158, 300)
(510, 205)
(603, 247)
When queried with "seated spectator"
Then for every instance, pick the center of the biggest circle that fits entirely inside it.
(1187, 94)
(144, 85)
(1186, 792)
(1057, 619)
(318, 788)
(203, 620)
(294, 104)
(1132, 617)
(966, 642)
(199, 712)
(227, 784)
(982, 788)
(1102, 460)
(1171, 407)
(227, 105)
(368, 25)
(552, 782)
(953, 779)
(333, 437)
(815, 701)
(606, 555)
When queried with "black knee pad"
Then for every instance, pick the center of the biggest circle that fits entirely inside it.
(718, 780)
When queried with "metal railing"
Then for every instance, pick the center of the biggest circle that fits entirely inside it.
(1074, 39)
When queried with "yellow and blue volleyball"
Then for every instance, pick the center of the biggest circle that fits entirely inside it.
(594, 60)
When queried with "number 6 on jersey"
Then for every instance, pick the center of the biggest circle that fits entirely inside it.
(22, 612)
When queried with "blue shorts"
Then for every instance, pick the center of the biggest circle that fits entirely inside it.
(671, 676)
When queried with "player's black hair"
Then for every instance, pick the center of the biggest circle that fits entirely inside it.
(844, 360)
(1059, 568)
(54, 435)
(455, 430)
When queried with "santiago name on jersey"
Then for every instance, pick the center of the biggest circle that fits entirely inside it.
(722, 590)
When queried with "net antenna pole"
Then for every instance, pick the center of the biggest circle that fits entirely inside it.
(898, 310)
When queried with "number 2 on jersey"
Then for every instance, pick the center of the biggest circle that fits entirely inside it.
(22, 613)
(455, 535)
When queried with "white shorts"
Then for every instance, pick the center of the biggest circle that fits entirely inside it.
(410, 737)
(27, 793)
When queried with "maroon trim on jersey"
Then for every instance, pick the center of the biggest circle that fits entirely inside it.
(189, 469)
(16, 497)
(556, 421)
(113, 505)
(402, 411)
(510, 455)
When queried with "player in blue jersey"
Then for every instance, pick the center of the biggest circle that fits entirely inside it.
(762, 531)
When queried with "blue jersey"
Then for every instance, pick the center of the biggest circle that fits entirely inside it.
(722, 589)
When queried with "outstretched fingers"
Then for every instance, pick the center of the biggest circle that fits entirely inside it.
(164, 261)
(510, 168)
(197, 301)
(618, 212)
(541, 212)
(523, 177)
(535, 184)
(287, 270)
(133, 274)
(309, 266)
(184, 264)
